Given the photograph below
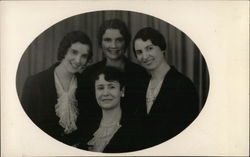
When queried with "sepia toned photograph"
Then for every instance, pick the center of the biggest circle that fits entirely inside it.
(112, 81)
(124, 78)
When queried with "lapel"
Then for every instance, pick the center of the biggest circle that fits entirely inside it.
(155, 109)
(162, 97)
(118, 142)
(49, 88)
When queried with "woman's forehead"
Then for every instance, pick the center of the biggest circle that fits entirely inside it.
(101, 80)
(140, 44)
(112, 33)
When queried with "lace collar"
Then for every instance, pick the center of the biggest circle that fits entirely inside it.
(102, 136)
(66, 107)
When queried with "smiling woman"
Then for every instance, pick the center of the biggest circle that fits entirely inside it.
(113, 44)
(108, 94)
(171, 98)
(113, 132)
(56, 85)
(76, 58)
(49, 96)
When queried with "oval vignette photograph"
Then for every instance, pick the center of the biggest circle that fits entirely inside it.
(112, 81)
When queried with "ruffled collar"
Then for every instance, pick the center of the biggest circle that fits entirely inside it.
(102, 136)
(66, 107)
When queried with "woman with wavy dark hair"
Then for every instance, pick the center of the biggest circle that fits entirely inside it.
(49, 96)
(171, 100)
(113, 131)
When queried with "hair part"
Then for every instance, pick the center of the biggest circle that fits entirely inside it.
(71, 38)
(114, 24)
(111, 74)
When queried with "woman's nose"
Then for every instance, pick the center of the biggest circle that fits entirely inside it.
(105, 91)
(78, 59)
(113, 44)
(144, 55)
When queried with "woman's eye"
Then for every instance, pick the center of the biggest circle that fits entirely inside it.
(74, 52)
(150, 48)
(111, 87)
(107, 39)
(120, 39)
(99, 88)
(138, 52)
(84, 56)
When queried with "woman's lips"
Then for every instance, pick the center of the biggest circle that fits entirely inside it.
(148, 62)
(75, 66)
(106, 100)
(114, 52)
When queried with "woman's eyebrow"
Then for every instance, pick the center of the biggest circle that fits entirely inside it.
(73, 49)
(119, 38)
(106, 37)
(113, 82)
(149, 46)
(99, 84)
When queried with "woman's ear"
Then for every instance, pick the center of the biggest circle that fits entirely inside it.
(123, 91)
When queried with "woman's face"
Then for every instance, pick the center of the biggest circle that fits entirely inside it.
(149, 55)
(76, 57)
(113, 44)
(108, 93)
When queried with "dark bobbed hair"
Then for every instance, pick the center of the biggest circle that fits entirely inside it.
(148, 33)
(111, 74)
(71, 38)
(114, 24)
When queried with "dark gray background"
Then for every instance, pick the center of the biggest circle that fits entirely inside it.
(181, 51)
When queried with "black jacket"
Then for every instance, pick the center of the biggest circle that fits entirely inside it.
(122, 141)
(175, 107)
(39, 99)
(91, 113)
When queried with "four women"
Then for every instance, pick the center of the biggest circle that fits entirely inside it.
(121, 108)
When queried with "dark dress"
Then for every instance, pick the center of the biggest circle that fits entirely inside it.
(175, 107)
(122, 141)
(90, 112)
(39, 99)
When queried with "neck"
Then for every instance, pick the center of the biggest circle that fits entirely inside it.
(111, 116)
(62, 73)
(160, 72)
(120, 64)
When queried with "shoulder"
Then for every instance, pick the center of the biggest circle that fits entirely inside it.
(131, 64)
(94, 67)
(176, 78)
(42, 76)
(89, 72)
(135, 68)
(182, 92)
(37, 85)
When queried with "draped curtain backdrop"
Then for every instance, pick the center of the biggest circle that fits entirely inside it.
(181, 51)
